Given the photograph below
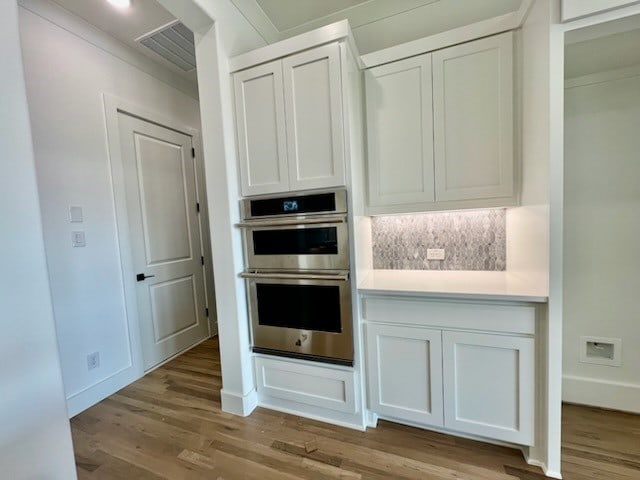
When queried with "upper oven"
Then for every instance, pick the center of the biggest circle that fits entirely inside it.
(297, 232)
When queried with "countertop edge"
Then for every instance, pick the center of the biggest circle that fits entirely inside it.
(501, 297)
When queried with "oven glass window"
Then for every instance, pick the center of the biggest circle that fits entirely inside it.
(296, 241)
(306, 307)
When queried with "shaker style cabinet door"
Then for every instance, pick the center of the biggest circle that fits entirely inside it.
(260, 120)
(400, 133)
(404, 367)
(489, 385)
(313, 105)
(473, 120)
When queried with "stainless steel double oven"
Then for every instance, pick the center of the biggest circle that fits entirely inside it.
(297, 272)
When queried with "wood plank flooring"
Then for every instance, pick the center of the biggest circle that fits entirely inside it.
(168, 425)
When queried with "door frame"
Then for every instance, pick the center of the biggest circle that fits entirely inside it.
(113, 106)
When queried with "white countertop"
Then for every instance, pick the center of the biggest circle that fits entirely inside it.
(471, 285)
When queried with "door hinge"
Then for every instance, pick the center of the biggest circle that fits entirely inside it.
(206, 312)
(198, 207)
(202, 260)
(193, 152)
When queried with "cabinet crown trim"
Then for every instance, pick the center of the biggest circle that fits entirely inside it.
(330, 33)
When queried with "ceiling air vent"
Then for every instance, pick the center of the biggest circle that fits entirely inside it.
(173, 42)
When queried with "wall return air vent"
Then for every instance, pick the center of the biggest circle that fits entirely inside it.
(173, 42)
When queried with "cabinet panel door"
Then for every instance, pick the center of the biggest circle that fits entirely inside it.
(261, 129)
(313, 104)
(400, 132)
(489, 385)
(404, 368)
(473, 119)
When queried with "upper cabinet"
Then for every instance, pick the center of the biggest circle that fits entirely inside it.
(262, 139)
(289, 123)
(400, 132)
(446, 144)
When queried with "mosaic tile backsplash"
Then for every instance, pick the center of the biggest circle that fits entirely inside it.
(472, 240)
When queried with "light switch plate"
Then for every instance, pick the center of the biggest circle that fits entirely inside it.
(77, 239)
(435, 253)
(75, 214)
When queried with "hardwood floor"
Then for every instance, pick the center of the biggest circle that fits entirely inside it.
(168, 425)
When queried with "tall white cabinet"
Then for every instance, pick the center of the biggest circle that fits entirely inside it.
(289, 121)
(440, 129)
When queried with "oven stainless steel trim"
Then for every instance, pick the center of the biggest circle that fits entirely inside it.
(309, 343)
(324, 275)
(340, 197)
(301, 220)
(334, 261)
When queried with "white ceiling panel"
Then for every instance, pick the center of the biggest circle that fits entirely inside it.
(376, 24)
(287, 14)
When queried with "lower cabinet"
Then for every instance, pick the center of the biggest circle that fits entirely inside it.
(489, 385)
(405, 373)
(476, 383)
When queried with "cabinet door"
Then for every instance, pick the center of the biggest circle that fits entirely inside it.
(400, 132)
(489, 385)
(404, 368)
(473, 120)
(313, 104)
(261, 129)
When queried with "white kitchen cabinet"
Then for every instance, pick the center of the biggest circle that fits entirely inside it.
(289, 120)
(313, 106)
(440, 129)
(473, 120)
(404, 371)
(466, 366)
(489, 385)
(260, 123)
(400, 132)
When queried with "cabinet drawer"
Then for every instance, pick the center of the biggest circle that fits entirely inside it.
(315, 385)
(493, 317)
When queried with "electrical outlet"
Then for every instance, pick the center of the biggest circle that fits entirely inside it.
(93, 360)
(601, 351)
(78, 239)
(435, 253)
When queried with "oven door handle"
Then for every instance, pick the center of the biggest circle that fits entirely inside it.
(324, 219)
(342, 276)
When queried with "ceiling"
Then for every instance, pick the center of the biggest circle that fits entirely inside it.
(376, 24)
(126, 24)
(609, 46)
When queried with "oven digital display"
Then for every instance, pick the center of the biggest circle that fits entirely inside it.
(290, 205)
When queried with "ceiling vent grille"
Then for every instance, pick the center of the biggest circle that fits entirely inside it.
(173, 42)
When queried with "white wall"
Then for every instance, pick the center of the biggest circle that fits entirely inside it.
(602, 228)
(35, 441)
(66, 77)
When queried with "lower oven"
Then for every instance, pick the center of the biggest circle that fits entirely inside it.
(301, 314)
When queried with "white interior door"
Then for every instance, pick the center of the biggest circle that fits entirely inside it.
(164, 232)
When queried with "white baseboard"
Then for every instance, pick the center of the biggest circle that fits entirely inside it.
(97, 392)
(238, 404)
(601, 393)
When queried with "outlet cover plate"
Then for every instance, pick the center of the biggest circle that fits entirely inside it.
(93, 360)
(435, 253)
(615, 361)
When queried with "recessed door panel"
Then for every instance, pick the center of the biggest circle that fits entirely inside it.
(173, 307)
(161, 178)
(164, 234)
(261, 129)
(313, 106)
(404, 367)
